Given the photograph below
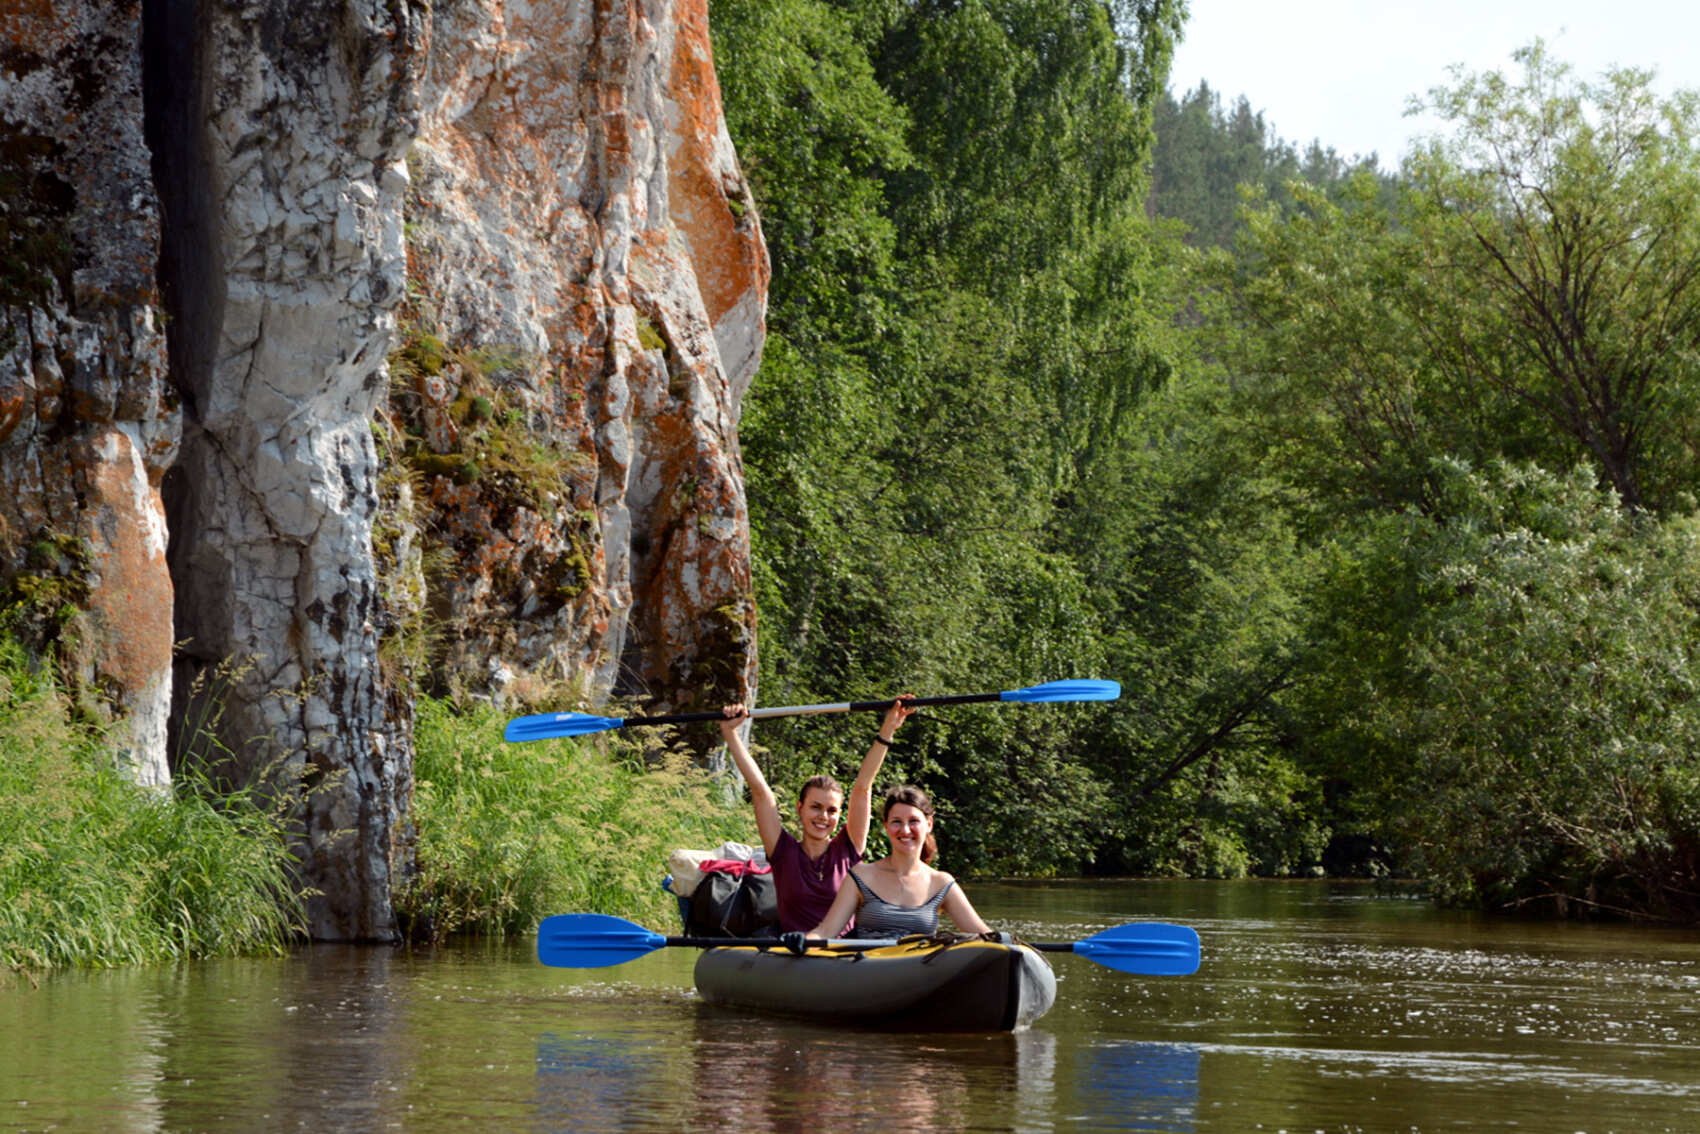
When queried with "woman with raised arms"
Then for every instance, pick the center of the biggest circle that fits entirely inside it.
(808, 872)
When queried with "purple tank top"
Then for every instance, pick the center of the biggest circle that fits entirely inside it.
(805, 889)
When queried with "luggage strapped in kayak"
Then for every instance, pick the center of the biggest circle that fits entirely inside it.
(727, 892)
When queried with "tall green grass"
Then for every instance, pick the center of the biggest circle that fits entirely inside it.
(97, 871)
(510, 833)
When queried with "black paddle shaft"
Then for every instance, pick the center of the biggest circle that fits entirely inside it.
(776, 943)
(843, 707)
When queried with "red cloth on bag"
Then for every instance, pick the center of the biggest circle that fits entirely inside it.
(736, 867)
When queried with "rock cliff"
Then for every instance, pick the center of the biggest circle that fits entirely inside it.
(88, 421)
(586, 289)
(406, 352)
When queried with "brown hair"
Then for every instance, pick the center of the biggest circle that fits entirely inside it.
(918, 799)
(825, 783)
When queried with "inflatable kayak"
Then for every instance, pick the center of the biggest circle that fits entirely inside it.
(918, 984)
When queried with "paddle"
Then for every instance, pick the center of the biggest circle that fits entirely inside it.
(589, 941)
(542, 726)
(1151, 947)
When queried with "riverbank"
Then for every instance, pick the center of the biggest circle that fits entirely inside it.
(510, 833)
(95, 871)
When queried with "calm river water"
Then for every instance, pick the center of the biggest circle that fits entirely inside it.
(1319, 1007)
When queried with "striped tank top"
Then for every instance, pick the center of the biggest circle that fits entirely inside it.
(879, 918)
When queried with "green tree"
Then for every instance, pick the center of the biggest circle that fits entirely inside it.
(1535, 293)
(817, 136)
(1563, 260)
(1032, 125)
(1198, 575)
(1323, 334)
(911, 449)
(1205, 157)
(1519, 713)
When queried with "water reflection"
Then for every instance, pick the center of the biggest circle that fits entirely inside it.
(594, 1082)
(1138, 1086)
(849, 1080)
(60, 1067)
(304, 1041)
(316, 1048)
(753, 1074)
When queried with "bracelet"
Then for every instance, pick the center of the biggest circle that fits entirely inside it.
(878, 739)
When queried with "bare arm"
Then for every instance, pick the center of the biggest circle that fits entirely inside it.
(844, 905)
(861, 803)
(961, 911)
(768, 823)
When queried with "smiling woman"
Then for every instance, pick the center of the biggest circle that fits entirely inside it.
(808, 873)
(901, 894)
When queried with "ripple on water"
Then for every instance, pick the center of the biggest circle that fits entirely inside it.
(1452, 1067)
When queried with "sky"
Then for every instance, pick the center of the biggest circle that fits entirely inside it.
(1342, 70)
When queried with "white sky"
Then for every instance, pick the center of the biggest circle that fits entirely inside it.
(1342, 70)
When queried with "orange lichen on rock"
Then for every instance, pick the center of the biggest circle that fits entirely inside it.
(711, 204)
(86, 427)
(568, 209)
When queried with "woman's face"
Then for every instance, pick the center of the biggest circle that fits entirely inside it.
(818, 812)
(907, 827)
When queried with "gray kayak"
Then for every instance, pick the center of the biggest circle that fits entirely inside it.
(918, 984)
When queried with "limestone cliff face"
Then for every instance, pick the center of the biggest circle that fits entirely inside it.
(88, 424)
(281, 152)
(462, 299)
(587, 290)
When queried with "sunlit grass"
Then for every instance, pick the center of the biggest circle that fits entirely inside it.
(510, 833)
(96, 871)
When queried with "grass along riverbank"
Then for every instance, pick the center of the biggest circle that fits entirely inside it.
(95, 871)
(510, 833)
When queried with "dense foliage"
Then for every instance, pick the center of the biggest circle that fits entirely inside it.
(925, 428)
(1482, 396)
(1204, 154)
(1523, 688)
(510, 833)
(1370, 487)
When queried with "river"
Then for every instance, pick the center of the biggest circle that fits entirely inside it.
(1318, 1007)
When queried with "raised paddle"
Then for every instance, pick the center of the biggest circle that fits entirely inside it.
(589, 941)
(543, 726)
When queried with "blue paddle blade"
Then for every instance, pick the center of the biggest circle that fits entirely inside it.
(543, 726)
(593, 941)
(1076, 690)
(1152, 948)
